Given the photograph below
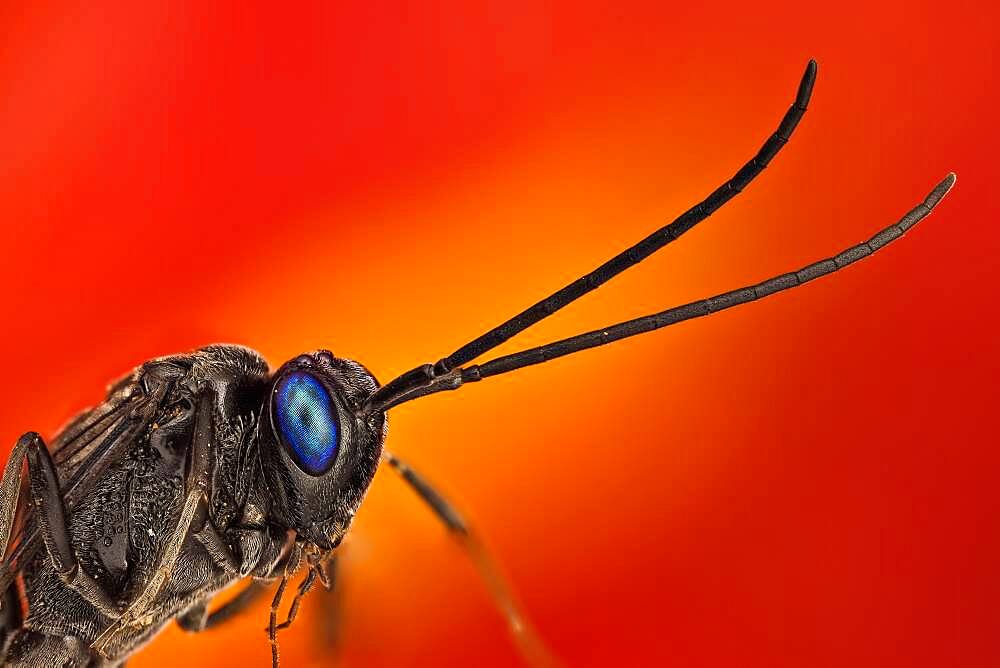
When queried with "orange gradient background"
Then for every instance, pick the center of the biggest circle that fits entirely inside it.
(806, 481)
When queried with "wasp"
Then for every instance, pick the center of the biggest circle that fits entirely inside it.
(203, 469)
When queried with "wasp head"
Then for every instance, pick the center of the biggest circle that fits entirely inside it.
(318, 452)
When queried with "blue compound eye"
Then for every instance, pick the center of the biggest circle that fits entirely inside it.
(307, 421)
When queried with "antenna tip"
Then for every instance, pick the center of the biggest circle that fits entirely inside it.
(806, 86)
(940, 190)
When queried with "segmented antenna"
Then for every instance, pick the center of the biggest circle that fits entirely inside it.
(647, 246)
(712, 304)
(423, 375)
(457, 377)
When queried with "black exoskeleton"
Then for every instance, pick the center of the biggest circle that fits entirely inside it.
(182, 475)
(203, 469)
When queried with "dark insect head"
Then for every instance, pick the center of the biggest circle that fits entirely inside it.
(318, 454)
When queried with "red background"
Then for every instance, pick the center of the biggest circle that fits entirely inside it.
(807, 481)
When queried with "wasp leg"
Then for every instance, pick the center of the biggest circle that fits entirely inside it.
(304, 588)
(194, 619)
(51, 516)
(198, 618)
(217, 548)
(196, 485)
(530, 644)
(329, 620)
(290, 565)
(265, 555)
(445, 512)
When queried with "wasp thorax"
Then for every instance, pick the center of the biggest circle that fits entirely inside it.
(319, 453)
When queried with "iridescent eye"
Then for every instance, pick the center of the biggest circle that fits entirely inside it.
(307, 421)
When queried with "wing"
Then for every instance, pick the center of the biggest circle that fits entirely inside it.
(85, 449)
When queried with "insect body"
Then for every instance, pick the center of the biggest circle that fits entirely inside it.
(203, 469)
(184, 473)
